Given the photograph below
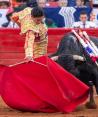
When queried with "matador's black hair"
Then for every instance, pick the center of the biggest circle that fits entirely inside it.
(37, 12)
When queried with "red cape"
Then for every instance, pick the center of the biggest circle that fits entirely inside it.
(45, 87)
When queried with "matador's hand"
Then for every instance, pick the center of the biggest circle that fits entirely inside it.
(28, 58)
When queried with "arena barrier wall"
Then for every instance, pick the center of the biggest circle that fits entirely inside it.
(12, 43)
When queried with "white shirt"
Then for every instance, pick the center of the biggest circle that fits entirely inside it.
(88, 24)
(3, 18)
(95, 2)
(12, 25)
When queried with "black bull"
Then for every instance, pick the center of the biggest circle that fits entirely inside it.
(85, 70)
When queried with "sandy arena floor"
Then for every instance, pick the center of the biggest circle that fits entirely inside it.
(81, 111)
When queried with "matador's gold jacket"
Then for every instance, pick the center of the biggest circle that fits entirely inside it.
(36, 34)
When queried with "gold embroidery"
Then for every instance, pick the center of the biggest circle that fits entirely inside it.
(29, 28)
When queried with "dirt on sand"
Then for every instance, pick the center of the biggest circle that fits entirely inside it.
(81, 111)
